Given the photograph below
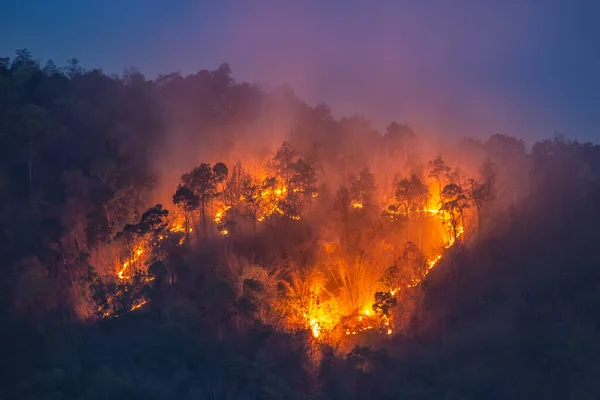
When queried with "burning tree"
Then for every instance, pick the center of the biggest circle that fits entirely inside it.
(439, 171)
(362, 189)
(454, 202)
(188, 202)
(302, 187)
(411, 198)
(231, 198)
(253, 201)
(203, 181)
(286, 155)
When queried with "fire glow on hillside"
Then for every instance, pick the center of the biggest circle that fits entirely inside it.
(343, 292)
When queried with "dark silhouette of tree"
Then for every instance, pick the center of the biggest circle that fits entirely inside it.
(203, 181)
(302, 187)
(286, 155)
(342, 204)
(399, 139)
(189, 202)
(439, 171)
(35, 130)
(454, 202)
(73, 68)
(253, 202)
(411, 198)
(362, 188)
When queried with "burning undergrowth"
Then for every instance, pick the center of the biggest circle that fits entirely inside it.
(370, 246)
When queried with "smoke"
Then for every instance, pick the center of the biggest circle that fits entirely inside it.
(442, 67)
(445, 69)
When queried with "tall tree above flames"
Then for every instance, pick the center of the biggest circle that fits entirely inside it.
(412, 195)
(253, 202)
(188, 202)
(203, 181)
(439, 171)
(286, 155)
(362, 189)
(399, 139)
(302, 187)
(454, 202)
(411, 198)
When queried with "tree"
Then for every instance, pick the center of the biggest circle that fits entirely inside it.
(399, 138)
(286, 154)
(395, 214)
(73, 68)
(203, 181)
(412, 195)
(384, 302)
(34, 129)
(230, 196)
(411, 198)
(439, 171)
(362, 189)
(4, 64)
(253, 202)
(488, 173)
(342, 204)
(73, 246)
(281, 163)
(188, 202)
(153, 221)
(23, 61)
(504, 148)
(302, 188)
(50, 69)
(454, 202)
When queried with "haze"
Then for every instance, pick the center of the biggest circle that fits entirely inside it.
(467, 68)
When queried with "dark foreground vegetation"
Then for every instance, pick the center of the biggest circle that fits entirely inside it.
(510, 314)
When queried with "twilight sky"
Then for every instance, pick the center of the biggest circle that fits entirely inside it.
(459, 67)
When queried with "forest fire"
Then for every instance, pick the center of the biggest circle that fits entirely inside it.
(288, 268)
(340, 292)
(136, 255)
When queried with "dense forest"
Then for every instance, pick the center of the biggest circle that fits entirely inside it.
(195, 237)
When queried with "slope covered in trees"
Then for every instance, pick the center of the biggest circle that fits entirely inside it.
(197, 237)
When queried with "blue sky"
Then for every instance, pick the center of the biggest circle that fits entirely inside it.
(461, 67)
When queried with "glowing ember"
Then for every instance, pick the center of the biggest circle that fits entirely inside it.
(219, 215)
(356, 204)
(136, 256)
(138, 305)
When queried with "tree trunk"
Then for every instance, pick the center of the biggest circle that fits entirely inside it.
(187, 228)
(203, 216)
(462, 221)
(346, 231)
(210, 212)
(454, 223)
